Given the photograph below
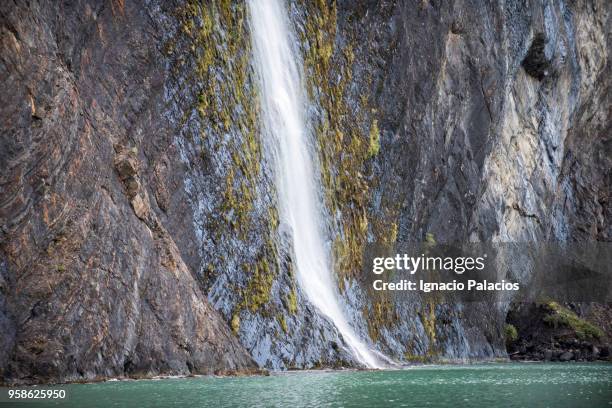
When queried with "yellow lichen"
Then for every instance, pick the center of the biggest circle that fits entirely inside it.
(428, 319)
(381, 314)
(342, 134)
(235, 323)
(292, 301)
(282, 322)
(374, 146)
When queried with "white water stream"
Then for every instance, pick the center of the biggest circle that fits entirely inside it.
(278, 67)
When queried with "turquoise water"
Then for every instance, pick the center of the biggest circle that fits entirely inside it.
(484, 385)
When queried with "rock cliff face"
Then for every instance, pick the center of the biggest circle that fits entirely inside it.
(92, 282)
(139, 220)
(481, 110)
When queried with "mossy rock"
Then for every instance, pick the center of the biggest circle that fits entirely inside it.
(561, 316)
(510, 333)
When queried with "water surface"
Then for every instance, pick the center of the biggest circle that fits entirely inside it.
(484, 385)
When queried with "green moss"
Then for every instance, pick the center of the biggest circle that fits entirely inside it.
(428, 319)
(510, 333)
(258, 291)
(273, 218)
(374, 146)
(382, 314)
(563, 317)
(282, 322)
(292, 304)
(392, 237)
(343, 133)
(227, 100)
(259, 288)
(235, 323)
(419, 358)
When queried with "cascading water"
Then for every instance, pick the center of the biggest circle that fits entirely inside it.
(281, 89)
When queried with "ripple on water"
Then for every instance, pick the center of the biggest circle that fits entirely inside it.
(483, 385)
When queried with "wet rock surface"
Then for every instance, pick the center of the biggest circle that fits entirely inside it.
(139, 223)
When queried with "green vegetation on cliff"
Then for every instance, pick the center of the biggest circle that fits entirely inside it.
(227, 106)
(563, 317)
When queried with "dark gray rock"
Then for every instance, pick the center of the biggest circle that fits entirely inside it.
(605, 352)
(548, 355)
(536, 63)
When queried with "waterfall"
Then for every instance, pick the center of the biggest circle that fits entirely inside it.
(278, 68)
